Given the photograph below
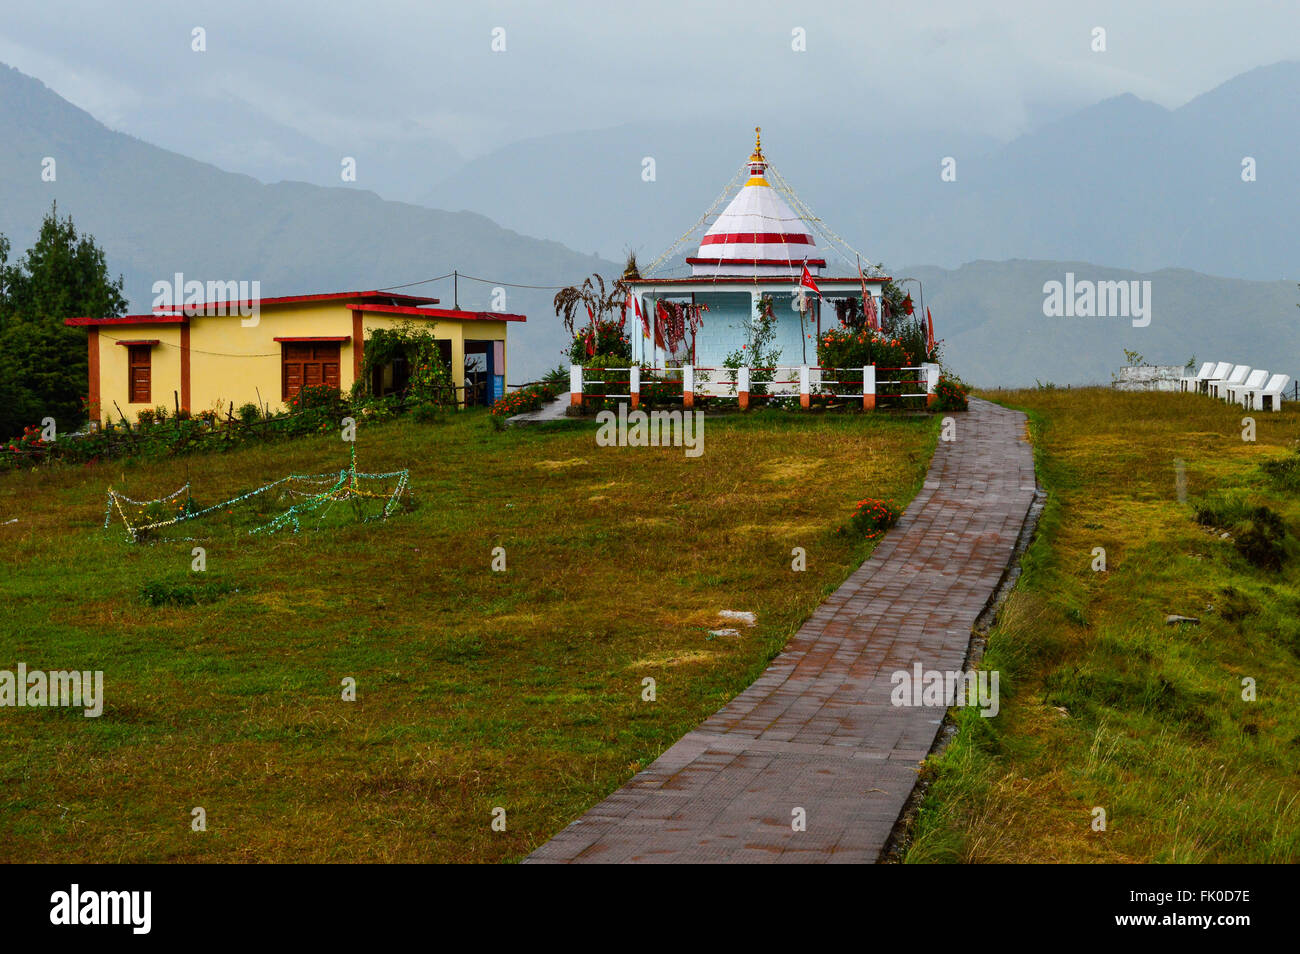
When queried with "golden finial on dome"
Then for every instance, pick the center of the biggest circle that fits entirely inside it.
(758, 145)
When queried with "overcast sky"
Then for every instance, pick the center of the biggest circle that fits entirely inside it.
(393, 72)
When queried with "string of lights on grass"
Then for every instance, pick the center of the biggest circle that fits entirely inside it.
(147, 518)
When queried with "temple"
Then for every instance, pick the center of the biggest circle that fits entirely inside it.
(757, 246)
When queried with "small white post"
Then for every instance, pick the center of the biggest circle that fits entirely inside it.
(931, 382)
(575, 385)
(742, 386)
(869, 388)
(634, 385)
(804, 397)
(688, 386)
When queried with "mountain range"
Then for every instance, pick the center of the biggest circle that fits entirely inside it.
(156, 212)
(1120, 190)
(1124, 183)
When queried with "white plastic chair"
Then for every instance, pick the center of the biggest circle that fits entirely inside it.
(1238, 393)
(1220, 372)
(1235, 378)
(1268, 397)
(1189, 383)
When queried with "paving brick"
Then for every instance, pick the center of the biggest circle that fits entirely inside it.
(817, 730)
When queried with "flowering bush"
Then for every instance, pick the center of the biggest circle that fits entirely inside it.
(525, 399)
(29, 442)
(660, 387)
(873, 517)
(316, 397)
(609, 346)
(430, 381)
(848, 349)
(950, 394)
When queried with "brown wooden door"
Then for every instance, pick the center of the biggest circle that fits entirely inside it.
(139, 374)
(308, 364)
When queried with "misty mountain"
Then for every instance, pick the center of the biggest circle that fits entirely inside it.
(239, 137)
(588, 191)
(156, 212)
(990, 318)
(1124, 183)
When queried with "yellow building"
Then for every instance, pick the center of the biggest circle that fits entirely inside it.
(209, 357)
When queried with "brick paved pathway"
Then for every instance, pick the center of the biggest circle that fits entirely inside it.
(817, 730)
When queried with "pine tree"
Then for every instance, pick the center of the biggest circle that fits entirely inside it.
(43, 364)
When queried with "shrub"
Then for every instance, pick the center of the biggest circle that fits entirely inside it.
(430, 380)
(871, 518)
(525, 399)
(317, 397)
(426, 413)
(183, 592)
(1284, 471)
(951, 394)
(1263, 542)
(380, 409)
(849, 351)
(659, 390)
(611, 347)
(250, 412)
(146, 417)
(1222, 509)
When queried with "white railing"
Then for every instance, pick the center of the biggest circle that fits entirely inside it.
(805, 381)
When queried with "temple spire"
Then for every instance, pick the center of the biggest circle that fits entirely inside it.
(757, 164)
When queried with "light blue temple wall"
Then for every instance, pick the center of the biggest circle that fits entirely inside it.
(788, 334)
(722, 330)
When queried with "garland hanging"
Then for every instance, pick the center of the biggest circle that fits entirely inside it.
(677, 320)
(143, 518)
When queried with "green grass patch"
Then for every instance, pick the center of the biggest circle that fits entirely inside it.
(474, 689)
(1105, 706)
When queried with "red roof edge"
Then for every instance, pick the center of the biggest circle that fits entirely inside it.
(443, 313)
(169, 319)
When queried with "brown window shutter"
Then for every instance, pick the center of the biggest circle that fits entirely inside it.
(140, 374)
(307, 364)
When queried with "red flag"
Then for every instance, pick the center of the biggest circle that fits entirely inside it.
(929, 333)
(869, 310)
(661, 320)
(591, 344)
(907, 303)
(806, 280)
(640, 316)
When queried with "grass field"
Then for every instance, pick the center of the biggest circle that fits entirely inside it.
(1103, 704)
(475, 689)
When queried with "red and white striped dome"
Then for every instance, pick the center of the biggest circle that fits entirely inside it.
(757, 234)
